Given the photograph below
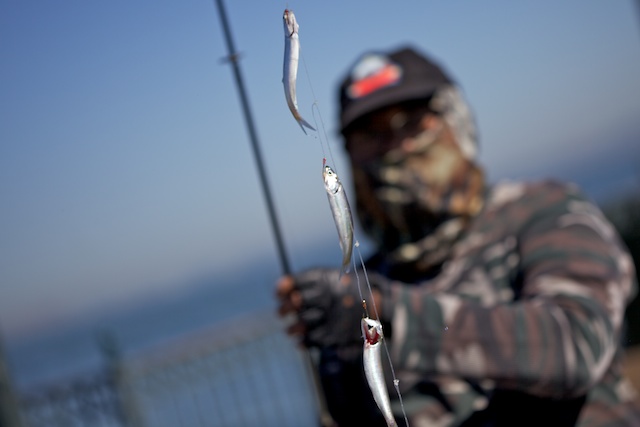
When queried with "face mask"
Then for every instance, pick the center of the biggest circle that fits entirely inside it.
(424, 187)
(405, 194)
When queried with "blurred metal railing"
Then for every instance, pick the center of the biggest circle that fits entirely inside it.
(89, 401)
(243, 372)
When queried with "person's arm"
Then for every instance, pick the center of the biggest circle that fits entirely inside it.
(557, 340)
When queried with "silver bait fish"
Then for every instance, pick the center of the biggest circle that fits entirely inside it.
(341, 213)
(372, 361)
(290, 69)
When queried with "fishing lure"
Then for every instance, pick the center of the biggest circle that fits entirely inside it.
(372, 361)
(341, 213)
(290, 69)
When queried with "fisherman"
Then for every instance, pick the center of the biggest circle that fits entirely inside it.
(502, 305)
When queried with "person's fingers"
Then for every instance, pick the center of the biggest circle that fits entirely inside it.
(296, 300)
(289, 298)
(290, 303)
(284, 286)
(286, 307)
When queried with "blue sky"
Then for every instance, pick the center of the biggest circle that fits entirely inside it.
(125, 166)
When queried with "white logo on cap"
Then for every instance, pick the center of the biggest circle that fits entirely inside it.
(371, 73)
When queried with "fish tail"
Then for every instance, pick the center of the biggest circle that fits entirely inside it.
(302, 127)
(303, 123)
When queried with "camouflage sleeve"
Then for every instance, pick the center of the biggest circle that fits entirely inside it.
(557, 339)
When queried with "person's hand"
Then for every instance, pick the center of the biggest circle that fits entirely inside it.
(328, 308)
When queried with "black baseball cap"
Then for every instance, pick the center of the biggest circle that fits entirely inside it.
(380, 79)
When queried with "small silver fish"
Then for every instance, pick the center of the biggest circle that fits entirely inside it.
(290, 69)
(341, 213)
(372, 361)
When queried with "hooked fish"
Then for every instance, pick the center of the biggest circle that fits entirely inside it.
(290, 69)
(341, 213)
(372, 361)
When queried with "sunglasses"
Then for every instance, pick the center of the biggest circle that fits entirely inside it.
(381, 132)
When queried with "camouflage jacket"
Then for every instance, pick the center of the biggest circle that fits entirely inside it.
(525, 318)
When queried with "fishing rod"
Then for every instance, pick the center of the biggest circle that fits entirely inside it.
(253, 137)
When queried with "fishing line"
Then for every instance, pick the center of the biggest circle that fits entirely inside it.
(316, 107)
(355, 272)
